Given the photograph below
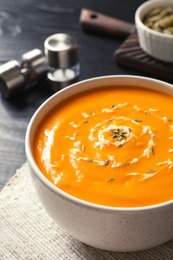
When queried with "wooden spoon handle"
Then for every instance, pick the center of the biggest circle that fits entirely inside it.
(96, 22)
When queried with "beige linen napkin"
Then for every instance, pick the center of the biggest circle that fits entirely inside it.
(27, 232)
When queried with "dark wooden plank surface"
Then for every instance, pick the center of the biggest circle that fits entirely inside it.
(130, 55)
(25, 25)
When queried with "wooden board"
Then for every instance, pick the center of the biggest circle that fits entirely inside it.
(130, 55)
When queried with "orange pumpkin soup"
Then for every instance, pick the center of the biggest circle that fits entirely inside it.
(110, 146)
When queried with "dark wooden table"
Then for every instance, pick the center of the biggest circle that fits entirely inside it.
(24, 25)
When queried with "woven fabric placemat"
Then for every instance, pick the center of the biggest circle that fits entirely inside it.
(27, 232)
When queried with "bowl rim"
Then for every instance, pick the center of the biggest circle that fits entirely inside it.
(37, 172)
(151, 4)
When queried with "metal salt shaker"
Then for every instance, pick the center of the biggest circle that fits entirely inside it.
(61, 51)
(14, 75)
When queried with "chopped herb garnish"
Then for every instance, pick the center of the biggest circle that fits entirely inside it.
(120, 145)
(118, 134)
(110, 119)
(127, 164)
(151, 170)
(76, 133)
(138, 120)
(123, 133)
(90, 160)
(154, 137)
(111, 179)
(106, 162)
(114, 135)
(112, 106)
(152, 150)
(120, 138)
(85, 122)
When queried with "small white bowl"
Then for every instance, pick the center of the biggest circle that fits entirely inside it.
(108, 228)
(156, 44)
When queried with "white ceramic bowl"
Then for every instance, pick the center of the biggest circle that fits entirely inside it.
(109, 228)
(156, 44)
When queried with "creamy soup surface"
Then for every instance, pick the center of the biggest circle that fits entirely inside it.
(111, 146)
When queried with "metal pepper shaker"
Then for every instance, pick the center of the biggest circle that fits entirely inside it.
(14, 75)
(61, 51)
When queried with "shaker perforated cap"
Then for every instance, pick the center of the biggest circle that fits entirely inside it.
(61, 50)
